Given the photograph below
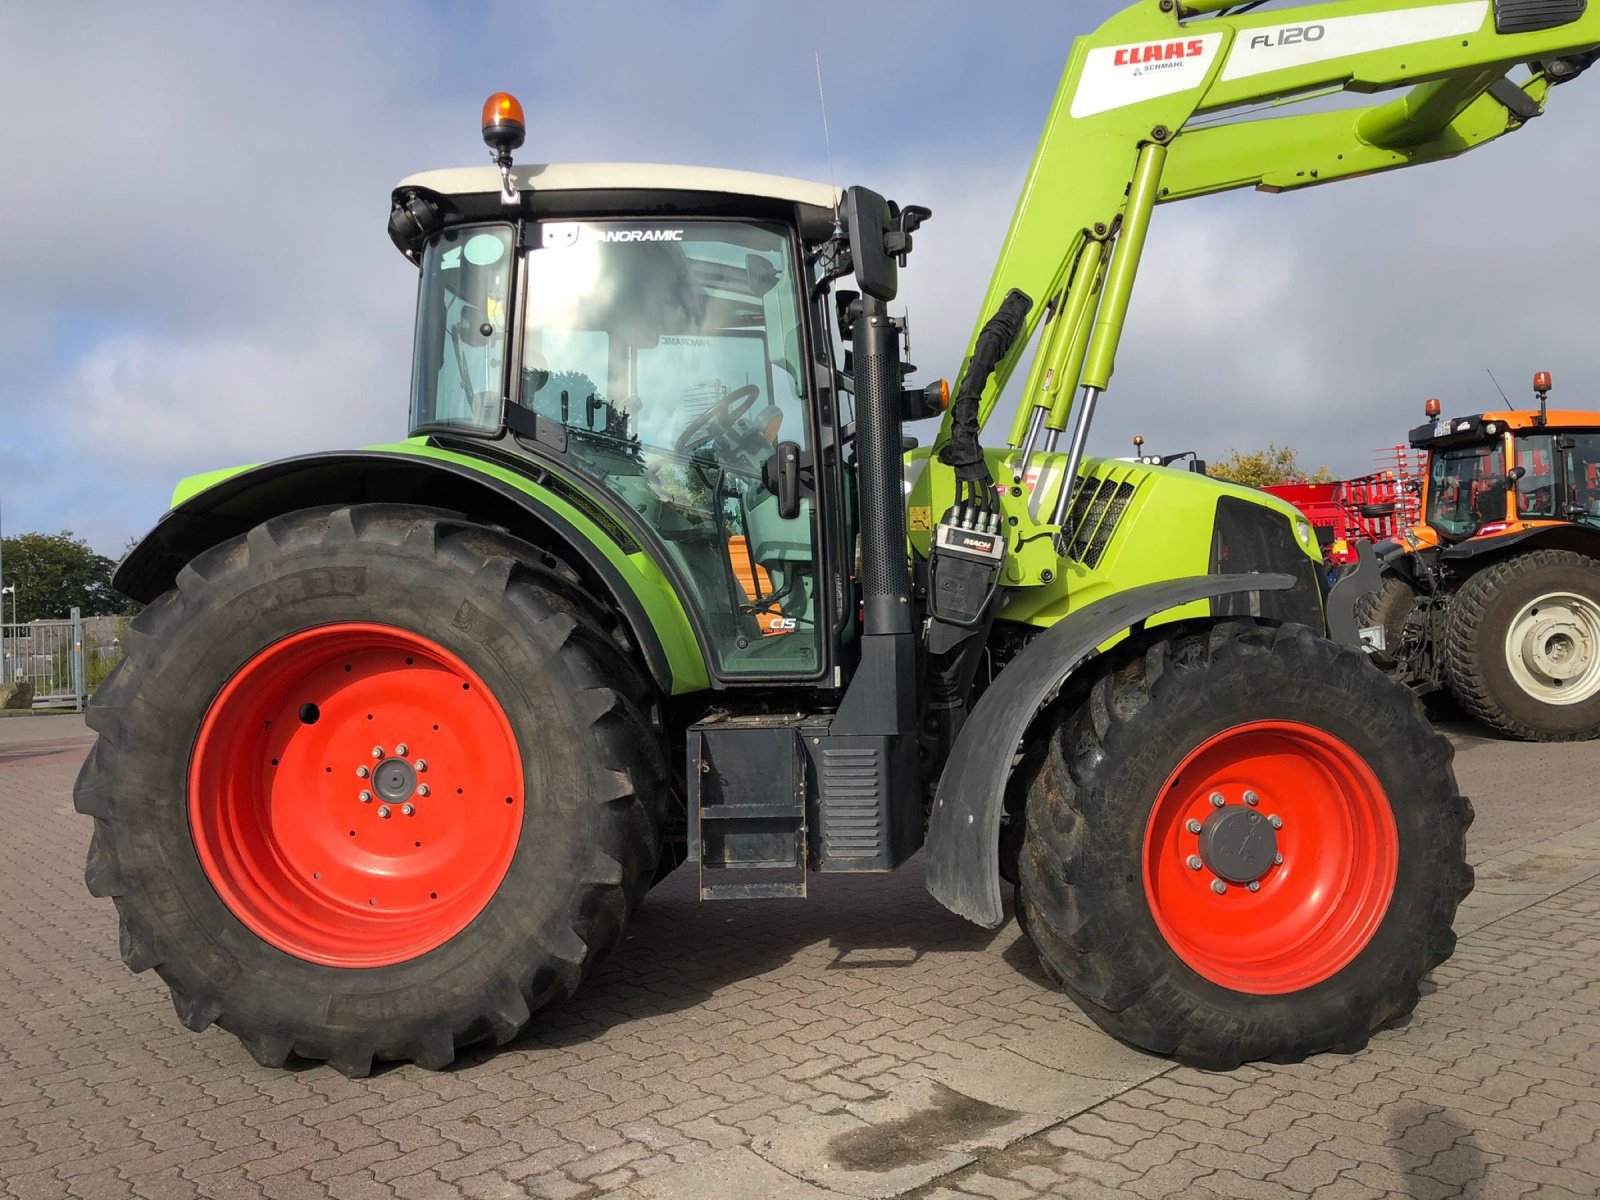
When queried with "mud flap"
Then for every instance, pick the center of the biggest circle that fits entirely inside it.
(964, 829)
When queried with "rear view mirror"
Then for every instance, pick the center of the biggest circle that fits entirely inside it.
(868, 221)
(763, 276)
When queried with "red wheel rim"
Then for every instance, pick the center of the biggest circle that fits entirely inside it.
(1313, 911)
(286, 753)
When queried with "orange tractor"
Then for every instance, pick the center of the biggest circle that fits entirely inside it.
(1495, 594)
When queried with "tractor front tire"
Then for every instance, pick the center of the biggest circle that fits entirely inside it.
(1242, 843)
(1522, 646)
(372, 783)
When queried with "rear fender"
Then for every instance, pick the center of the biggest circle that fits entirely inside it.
(566, 523)
(1477, 553)
(964, 829)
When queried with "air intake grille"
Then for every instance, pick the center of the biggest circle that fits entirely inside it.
(1097, 509)
(852, 804)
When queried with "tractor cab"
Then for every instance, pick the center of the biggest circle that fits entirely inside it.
(1506, 473)
(661, 360)
(663, 344)
(658, 338)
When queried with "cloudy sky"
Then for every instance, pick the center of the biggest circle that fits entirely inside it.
(194, 270)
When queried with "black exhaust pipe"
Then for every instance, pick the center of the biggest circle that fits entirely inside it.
(885, 571)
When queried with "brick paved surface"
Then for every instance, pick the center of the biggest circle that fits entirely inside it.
(863, 1042)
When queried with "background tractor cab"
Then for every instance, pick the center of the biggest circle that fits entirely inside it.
(1507, 474)
(1495, 594)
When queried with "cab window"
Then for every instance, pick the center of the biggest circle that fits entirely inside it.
(1536, 490)
(1466, 489)
(672, 354)
(1580, 473)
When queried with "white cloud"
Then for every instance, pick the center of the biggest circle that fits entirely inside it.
(168, 404)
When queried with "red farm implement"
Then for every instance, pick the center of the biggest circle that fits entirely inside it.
(1375, 506)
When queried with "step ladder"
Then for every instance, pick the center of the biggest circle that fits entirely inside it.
(747, 807)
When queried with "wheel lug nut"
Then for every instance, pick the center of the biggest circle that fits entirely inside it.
(377, 752)
(1219, 887)
(1277, 860)
(402, 750)
(1255, 885)
(421, 764)
(1217, 800)
(1252, 799)
(1194, 862)
(362, 772)
(408, 809)
(366, 797)
(1192, 825)
(1275, 821)
(423, 789)
(383, 811)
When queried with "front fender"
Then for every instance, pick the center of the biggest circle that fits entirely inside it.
(964, 829)
(552, 514)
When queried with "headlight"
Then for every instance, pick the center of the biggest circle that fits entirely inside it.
(1302, 530)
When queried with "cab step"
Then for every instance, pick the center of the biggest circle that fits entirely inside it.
(747, 807)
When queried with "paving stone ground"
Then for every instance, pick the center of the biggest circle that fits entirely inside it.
(861, 1043)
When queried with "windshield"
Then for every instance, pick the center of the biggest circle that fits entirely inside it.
(458, 367)
(671, 353)
(1466, 489)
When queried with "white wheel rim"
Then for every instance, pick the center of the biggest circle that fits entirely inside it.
(1553, 648)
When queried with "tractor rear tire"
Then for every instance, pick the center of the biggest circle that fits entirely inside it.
(372, 783)
(1387, 608)
(1520, 634)
(1337, 800)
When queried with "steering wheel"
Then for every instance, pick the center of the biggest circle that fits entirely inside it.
(717, 422)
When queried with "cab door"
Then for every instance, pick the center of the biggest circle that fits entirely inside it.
(670, 353)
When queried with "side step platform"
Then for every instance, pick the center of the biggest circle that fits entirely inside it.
(773, 796)
(747, 807)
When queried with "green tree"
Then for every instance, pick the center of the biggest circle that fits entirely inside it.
(55, 573)
(1263, 468)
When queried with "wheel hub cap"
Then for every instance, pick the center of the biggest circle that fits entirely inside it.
(395, 780)
(1238, 844)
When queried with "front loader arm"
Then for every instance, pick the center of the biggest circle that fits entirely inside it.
(1155, 107)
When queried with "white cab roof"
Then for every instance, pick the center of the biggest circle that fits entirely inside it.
(583, 177)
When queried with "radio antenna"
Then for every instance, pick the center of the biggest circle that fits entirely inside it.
(827, 143)
(1498, 388)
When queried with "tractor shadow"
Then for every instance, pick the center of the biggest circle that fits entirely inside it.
(680, 952)
(1435, 1153)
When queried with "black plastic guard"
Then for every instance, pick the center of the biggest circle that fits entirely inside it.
(1344, 595)
(964, 829)
(1530, 16)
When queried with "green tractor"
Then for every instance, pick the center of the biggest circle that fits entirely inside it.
(404, 735)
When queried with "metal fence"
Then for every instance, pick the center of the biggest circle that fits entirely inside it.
(51, 655)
